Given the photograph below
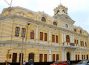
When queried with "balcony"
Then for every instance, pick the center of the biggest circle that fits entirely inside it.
(69, 45)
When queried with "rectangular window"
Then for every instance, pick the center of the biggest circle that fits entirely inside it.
(45, 57)
(87, 56)
(82, 57)
(56, 38)
(40, 57)
(41, 35)
(45, 36)
(53, 38)
(14, 57)
(23, 32)
(76, 57)
(57, 56)
(85, 44)
(17, 31)
(53, 57)
(77, 41)
(32, 34)
(81, 43)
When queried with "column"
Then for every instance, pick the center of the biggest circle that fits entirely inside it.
(63, 54)
(72, 55)
(50, 55)
(49, 35)
(37, 34)
(71, 39)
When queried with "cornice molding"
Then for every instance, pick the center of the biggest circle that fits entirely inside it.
(40, 23)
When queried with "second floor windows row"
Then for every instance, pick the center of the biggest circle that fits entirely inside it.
(43, 36)
(21, 32)
(82, 43)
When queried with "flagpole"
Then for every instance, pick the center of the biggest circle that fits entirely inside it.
(60, 2)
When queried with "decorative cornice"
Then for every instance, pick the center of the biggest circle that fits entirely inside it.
(40, 23)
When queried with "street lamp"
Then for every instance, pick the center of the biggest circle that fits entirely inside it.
(24, 37)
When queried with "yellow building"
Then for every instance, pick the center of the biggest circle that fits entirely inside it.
(38, 36)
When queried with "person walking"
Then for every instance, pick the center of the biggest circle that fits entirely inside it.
(31, 62)
(24, 63)
(68, 61)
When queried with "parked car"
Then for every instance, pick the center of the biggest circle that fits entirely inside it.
(60, 63)
(83, 62)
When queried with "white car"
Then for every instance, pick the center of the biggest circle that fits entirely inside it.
(83, 62)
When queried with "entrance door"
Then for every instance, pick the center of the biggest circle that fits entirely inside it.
(31, 56)
(14, 58)
(68, 56)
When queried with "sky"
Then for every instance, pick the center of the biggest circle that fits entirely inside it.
(78, 10)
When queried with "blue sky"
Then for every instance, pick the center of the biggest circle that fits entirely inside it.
(78, 10)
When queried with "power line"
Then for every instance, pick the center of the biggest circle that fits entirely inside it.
(10, 4)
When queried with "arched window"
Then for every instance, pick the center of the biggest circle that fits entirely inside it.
(67, 39)
(43, 19)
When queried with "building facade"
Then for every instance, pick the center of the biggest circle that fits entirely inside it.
(38, 36)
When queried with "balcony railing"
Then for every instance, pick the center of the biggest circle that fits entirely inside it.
(69, 45)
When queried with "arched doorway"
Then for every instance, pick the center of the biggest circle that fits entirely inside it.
(68, 55)
(31, 56)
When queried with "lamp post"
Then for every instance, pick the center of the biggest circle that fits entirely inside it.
(23, 34)
(21, 61)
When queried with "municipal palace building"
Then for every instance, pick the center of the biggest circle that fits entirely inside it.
(25, 34)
